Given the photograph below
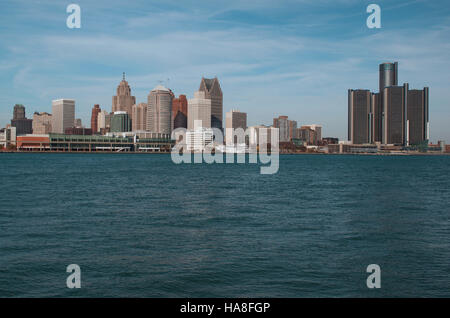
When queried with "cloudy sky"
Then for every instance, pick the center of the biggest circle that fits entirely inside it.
(280, 57)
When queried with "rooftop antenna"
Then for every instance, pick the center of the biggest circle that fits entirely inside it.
(123, 76)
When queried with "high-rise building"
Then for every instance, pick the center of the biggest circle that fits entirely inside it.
(139, 115)
(417, 114)
(234, 119)
(395, 115)
(359, 116)
(199, 109)
(307, 135)
(42, 123)
(179, 112)
(120, 122)
(395, 99)
(94, 118)
(388, 75)
(212, 90)
(287, 128)
(159, 110)
(104, 122)
(20, 121)
(377, 117)
(123, 101)
(317, 135)
(19, 112)
(63, 115)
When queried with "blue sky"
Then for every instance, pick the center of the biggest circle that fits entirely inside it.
(295, 58)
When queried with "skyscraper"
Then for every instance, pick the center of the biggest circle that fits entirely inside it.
(159, 110)
(120, 122)
(20, 121)
(94, 118)
(395, 99)
(139, 115)
(19, 111)
(287, 128)
(123, 101)
(104, 121)
(234, 119)
(199, 108)
(377, 117)
(179, 112)
(359, 116)
(388, 75)
(42, 123)
(212, 90)
(63, 115)
(417, 114)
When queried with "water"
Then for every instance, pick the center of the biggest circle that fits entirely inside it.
(141, 226)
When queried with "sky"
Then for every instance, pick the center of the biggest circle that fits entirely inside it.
(281, 57)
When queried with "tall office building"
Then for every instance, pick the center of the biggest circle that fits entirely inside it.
(20, 121)
(94, 118)
(123, 101)
(179, 112)
(287, 128)
(104, 122)
(159, 110)
(395, 115)
(212, 90)
(120, 122)
(42, 123)
(417, 114)
(199, 108)
(317, 129)
(63, 115)
(395, 99)
(19, 112)
(359, 116)
(388, 73)
(139, 117)
(377, 117)
(234, 119)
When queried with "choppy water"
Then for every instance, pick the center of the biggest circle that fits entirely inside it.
(141, 226)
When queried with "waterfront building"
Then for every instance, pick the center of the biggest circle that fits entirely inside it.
(307, 135)
(81, 131)
(199, 138)
(139, 117)
(19, 111)
(287, 128)
(179, 112)
(359, 116)
(418, 116)
(388, 75)
(199, 109)
(213, 92)
(8, 136)
(123, 100)
(42, 123)
(20, 121)
(104, 121)
(120, 122)
(94, 118)
(159, 110)
(63, 115)
(234, 119)
(260, 137)
(395, 115)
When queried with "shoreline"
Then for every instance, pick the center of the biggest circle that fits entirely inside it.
(168, 153)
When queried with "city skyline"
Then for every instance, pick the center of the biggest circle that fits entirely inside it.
(299, 60)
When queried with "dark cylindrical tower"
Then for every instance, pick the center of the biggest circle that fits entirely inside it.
(388, 75)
